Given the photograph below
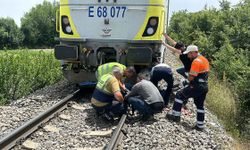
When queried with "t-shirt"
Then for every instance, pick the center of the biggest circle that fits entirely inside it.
(147, 91)
(166, 67)
(186, 61)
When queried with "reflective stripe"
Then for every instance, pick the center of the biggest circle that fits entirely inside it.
(107, 69)
(202, 80)
(200, 122)
(102, 72)
(200, 111)
(193, 72)
(178, 101)
(176, 113)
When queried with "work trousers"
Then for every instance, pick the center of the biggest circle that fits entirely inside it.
(115, 109)
(182, 71)
(165, 74)
(144, 108)
(198, 92)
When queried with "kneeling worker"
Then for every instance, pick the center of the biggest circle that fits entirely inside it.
(145, 98)
(107, 98)
(128, 72)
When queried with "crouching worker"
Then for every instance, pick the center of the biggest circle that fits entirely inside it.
(159, 72)
(107, 98)
(128, 73)
(145, 97)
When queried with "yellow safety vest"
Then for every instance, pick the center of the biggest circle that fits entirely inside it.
(101, 85)
(107, 68)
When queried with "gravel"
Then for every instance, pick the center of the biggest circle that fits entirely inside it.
(73, 128)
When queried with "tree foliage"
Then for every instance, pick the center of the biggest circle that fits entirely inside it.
(223, 36)
(10, 34)
(38, 26)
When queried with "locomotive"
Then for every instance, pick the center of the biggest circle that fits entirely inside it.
(94, 32)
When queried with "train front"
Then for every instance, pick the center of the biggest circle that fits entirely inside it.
(94, 32)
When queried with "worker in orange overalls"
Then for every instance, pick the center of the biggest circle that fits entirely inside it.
(197, 88)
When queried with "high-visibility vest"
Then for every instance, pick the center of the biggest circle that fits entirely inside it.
(107, 68)
(200, 69)
(101, 92)
(101, 85)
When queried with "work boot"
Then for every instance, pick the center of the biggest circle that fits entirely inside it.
(173, 118)
(147, 117)
(107, 118)
(197, 128)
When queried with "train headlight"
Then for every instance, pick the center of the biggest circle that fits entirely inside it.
(150, 31)
(151, 27)
(65, 23)
(153, 21)
(65, 20)
(68, 29)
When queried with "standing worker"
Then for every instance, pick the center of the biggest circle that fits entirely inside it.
(197, 88)
(107, 98)
(179, 48)
(159, 72)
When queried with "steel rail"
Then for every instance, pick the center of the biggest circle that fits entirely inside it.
(29, 127)
(117, 135)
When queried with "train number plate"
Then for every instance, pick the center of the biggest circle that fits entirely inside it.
(107, 11)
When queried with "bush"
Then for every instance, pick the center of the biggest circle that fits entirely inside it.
(22, 72)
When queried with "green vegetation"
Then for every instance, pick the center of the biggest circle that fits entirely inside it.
(38, 26)
(23, 71)
(223, 36)
(37, 29)
(10, 34)
(221, 101)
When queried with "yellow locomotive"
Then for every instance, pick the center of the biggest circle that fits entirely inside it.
(94, 32)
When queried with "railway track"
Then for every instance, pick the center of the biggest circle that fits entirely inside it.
(19, 135)
(29, 127)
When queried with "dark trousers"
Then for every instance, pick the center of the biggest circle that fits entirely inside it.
(115, 109)
(167, 76)
(182, 71)
(144, 108)
(198, 93)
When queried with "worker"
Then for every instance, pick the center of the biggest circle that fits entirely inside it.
(197, 88)
(179, 49)
(107, 98)
(128, 72)
(163, 72)
(145, 97)
(107, 68)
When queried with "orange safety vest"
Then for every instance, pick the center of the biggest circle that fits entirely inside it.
(200, 69)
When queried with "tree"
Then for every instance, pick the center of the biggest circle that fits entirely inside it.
(10, 34)
(38, 26)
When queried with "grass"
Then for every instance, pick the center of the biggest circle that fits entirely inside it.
(221, 101)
